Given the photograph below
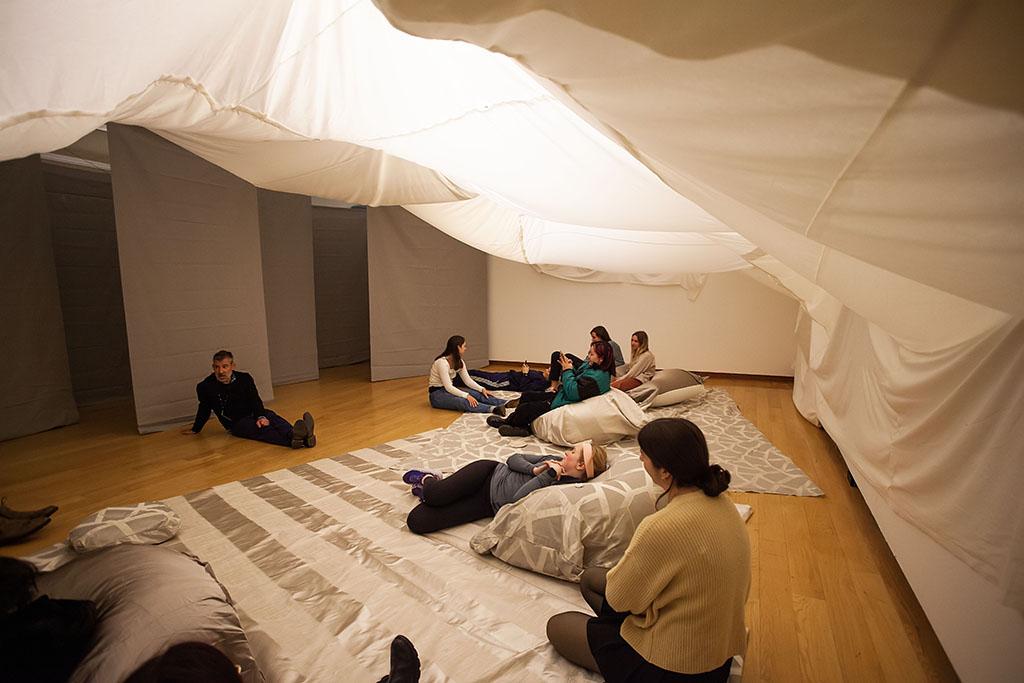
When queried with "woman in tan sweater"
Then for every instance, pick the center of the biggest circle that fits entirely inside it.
(641, 363)
(672, 608)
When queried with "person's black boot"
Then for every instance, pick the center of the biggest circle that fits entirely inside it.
(310, 439)
(405, 663)
(299, 434)
(13, 530)
(27, 514)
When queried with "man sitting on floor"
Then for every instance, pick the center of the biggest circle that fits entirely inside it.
(234, 399)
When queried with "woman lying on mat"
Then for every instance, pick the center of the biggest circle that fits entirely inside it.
(641, 363)
(446, 396)
(672, 608)
(592, 378)
(599, 333)
(480, 488)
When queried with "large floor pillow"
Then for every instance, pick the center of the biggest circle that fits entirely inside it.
(148, 598)
(560, 530)
(675, 386)
(602, 419)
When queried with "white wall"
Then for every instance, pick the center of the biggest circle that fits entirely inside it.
(736, 325)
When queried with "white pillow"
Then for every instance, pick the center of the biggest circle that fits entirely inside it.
(602, 419)
(142, 524)
(675, 386)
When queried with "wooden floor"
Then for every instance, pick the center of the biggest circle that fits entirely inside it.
(828, 601)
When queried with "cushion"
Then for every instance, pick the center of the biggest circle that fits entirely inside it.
(675, 386)
(603, 419)
(148, 598)
(145, 523)
(561, 530)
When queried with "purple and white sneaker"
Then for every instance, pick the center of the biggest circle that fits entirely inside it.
(415, 477)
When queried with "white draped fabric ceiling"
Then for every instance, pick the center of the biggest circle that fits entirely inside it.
(868, 156)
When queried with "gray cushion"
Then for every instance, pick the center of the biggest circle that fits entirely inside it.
(148, 599)
(675, 386)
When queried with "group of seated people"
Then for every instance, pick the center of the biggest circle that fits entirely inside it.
(672, 608)
(568, 379)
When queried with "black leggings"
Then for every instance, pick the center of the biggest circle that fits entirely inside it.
(532, 404)
(462, 497)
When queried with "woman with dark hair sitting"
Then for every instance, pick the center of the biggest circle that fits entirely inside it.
(592, 378)
(599, 333)
(446, 396)
(672, 608)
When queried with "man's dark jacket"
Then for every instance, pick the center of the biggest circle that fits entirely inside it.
(229, 402)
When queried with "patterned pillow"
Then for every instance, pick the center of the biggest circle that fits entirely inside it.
(142, 524)
(560, 530)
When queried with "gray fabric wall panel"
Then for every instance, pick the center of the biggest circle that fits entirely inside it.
(286, 241)
(424, 287)
(189, 249)
(342, 299)
(35, 385)
(81, 207)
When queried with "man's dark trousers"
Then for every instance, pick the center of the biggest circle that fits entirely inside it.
(278, 432)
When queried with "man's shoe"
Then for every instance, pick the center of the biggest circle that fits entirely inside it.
(299, 434)
(495, 421)
(499, 411)
(405, 663)
(310, 440)
(27, 514)
(13, 530)
(509, 430)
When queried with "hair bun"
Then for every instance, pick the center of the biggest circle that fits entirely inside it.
(715, 481)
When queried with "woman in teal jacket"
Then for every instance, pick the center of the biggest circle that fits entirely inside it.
(592, 378)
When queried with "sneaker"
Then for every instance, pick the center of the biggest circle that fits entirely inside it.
(310, 439)
(299, 434)
(509, 430)
(495, 421)
(499, 410)
(415, 477)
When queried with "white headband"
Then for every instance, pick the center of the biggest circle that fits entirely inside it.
(588, 458)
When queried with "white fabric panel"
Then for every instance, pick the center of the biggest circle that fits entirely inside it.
(342, 295)
(424, 288)
(188, 240)
(81, 207)
(853, 128)
(35, 386)
(475, 117)
(286, 248)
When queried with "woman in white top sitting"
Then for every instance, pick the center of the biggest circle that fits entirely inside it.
(446, 396)
(641, 363)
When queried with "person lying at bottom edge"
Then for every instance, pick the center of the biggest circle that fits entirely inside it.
(482, 487)
(590, 379)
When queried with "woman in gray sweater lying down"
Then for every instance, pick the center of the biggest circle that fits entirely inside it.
(480, 488)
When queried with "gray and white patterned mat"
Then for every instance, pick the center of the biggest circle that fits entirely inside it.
(735, 443)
